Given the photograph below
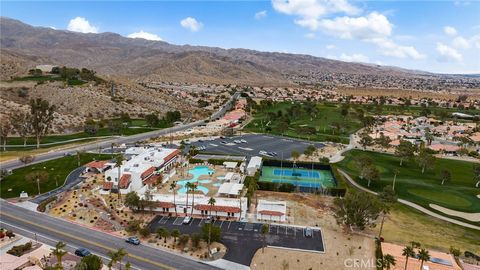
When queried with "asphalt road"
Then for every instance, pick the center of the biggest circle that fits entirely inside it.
(13, 164)
(255, 143)
(54, 229)
(243, 239)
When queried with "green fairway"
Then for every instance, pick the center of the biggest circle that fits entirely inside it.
(458, 194)
(57, 170)
(324, 123)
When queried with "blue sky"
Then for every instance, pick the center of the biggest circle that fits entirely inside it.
(437, 36)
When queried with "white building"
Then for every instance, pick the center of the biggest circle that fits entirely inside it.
(272, 210)
(231, 190)
(254, 165)
(234, 208)
(143, 168)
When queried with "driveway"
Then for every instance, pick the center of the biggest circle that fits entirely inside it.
(243, 239)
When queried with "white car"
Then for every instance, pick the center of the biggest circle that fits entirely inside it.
(237, 141)
(187, 220)
(243, 141)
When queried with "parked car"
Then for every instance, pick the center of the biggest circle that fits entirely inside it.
(209, 219)
(187, 220)
(82, 252)
(133, 240)
(237, 141)
(243, 141)
(308, 232)
(223, 142)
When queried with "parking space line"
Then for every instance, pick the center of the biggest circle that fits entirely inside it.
(229, 223)
(278, 229)
(191, 222)
(221, 224)
(286, 230)
(200, 223)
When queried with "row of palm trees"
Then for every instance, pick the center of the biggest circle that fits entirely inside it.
(90, 262)
(191, 187)
(409, 252)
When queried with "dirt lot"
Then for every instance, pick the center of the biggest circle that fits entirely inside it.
(340, 251)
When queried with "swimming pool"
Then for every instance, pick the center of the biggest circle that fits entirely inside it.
(307, 178)
(196, 172)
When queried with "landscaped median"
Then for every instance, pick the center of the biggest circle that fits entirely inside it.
(52, 174)
(424, 189)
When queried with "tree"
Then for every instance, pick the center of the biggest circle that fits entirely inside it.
(42, 115)
(423, 255)
(175, 233)
(116, 257)
(408, 252)
(6, 128)
(195, 240)
(265, 230)
(383, 140)
(144, 232)
(128, 266)
(193, 188)
(370, 173)
(118, 164)
(212, 202)
(183, 239)
(404, 150)
(162, 233)
(388, 261)
(295, 155)
(365, 139)
(387, 197)
(59, 252)
(210, 234)
(357, 209)
(395, 173)
(152, 120)
(425, 160)
(90, 262)
(38, 177)
(476, 174)
(455, 252)
(173, 185)
(132, 200)
(445, 176)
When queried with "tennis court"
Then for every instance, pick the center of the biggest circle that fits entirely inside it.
(301, 177)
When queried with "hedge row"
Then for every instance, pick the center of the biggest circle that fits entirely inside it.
(270, 186)
(43, 205)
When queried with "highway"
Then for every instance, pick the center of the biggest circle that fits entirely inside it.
(52, 229)
(13, 164)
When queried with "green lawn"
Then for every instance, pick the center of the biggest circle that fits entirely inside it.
(458, 194)
(326, 115)
(58, 169)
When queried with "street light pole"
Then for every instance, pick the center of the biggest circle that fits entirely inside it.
(38, 185)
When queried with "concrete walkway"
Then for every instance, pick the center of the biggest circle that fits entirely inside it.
(225, 264)
(72, 180)
(413, 205)
(339, 155)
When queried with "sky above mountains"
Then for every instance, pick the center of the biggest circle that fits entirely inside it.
(437, 36)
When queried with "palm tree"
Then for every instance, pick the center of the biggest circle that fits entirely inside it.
(121, 253)
(118, 164)
(59, 252)
(395, 173)
(423, 255)
(113, 259)
(173, 185)
(389, 261)
(408, 252)
(187, 187)
(162, 233)
(90, 262)
(128, 266)
(175, 233)
(265, 230)
(193, 187)
(211, 202)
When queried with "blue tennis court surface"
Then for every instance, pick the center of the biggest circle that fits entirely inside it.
(296, 173)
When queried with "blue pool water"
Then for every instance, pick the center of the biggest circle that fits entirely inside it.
(296, 173)
(196, 173)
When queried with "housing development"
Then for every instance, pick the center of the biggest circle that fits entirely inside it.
(123, 151)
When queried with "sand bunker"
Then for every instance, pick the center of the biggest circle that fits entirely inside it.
(474, 217)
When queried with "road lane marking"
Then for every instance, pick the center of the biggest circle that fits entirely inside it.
(161, 265)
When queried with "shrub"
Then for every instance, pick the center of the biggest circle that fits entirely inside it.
(20, 249)
(43, 205)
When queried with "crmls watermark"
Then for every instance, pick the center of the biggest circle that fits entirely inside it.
(362, 263)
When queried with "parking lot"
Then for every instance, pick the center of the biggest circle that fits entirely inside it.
(244, 239)
(282, 146)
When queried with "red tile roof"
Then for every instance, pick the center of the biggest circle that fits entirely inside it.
(217, 208)
(165, 205)
(172, 155)
(124, 181)
(97, 164)
(271, 213)
(152, 180)
(107, 185)
(147, 172)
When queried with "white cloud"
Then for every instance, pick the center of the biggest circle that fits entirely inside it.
(460, 43)
(476, 41)
(145, 35)
(389, 48)
(261, 14)
(191, 24)
(310, 35)
(314, 9)
(448, 54)
(80, 24)
(450, 31)
(373, 25)
(356, 57)
(330, 47)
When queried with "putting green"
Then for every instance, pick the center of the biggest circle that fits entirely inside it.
(446, 199)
